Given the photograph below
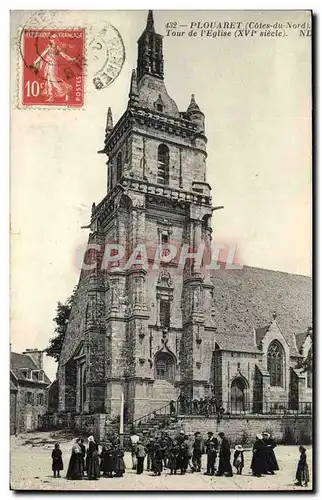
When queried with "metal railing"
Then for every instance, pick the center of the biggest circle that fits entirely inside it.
(208, 409)
(170, 409)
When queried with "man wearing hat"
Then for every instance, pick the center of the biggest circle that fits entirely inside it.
(212, 442)
(180, 437)
(270, 458)
(239, 459)
(198, 450)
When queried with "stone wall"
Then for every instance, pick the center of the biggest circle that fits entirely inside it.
(244, 428)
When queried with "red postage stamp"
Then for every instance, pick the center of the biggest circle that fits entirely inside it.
(53, 69)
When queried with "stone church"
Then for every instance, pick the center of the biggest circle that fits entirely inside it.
(153, 333)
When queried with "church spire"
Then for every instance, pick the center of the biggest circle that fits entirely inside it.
(150, 21)
(150, 56)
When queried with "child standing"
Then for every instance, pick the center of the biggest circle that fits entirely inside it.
(239, 459)
(57, 460)
(211, 458)
(302, 472)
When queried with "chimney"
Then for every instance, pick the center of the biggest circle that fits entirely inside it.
(36, 355)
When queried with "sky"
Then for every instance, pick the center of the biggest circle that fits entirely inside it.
(255, 93)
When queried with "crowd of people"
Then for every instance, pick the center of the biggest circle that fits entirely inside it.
(89, 463)
(177, 455)
(200, 406)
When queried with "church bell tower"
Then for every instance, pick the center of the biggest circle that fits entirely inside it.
(157, 324)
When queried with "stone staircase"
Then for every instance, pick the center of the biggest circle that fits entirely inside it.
(152, 424)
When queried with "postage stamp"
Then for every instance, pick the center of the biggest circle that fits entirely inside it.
(53, 69)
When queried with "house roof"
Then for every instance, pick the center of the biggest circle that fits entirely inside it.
(20, 362)
(246, 300)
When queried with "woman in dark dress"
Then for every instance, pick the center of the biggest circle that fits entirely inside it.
(82, 447)
(183, 458)
(119, 465)
(157, 460)
(103, 460)
(173, 458)
(92, 461)
(109, 464)
(258, 465)
(271, 462)
(224, 466)
(302, 472)
(75, 469)
(57, 460)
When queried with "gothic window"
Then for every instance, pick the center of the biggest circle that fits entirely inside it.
(165, 313)
(118, 167)
(164, 367)
(275, 363)
(163, 164)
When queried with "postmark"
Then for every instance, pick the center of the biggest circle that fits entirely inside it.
(107, 54)
(53, 69)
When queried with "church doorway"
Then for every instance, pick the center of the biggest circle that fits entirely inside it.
(238, 395)
(164, 367)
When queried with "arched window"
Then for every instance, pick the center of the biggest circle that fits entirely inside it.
(164, 367)
(275, 362)
(119, 167)
(163, 164)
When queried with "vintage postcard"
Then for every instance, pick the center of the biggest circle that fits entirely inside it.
(161, 284)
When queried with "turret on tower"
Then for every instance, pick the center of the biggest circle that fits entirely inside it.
(150, 55)
(196, 115)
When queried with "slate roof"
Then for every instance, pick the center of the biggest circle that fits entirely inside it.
(245, 301)
(20, 362)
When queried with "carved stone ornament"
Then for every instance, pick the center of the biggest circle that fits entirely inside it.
(164, 278)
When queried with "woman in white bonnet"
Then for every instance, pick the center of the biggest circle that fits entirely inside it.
(92, 461)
